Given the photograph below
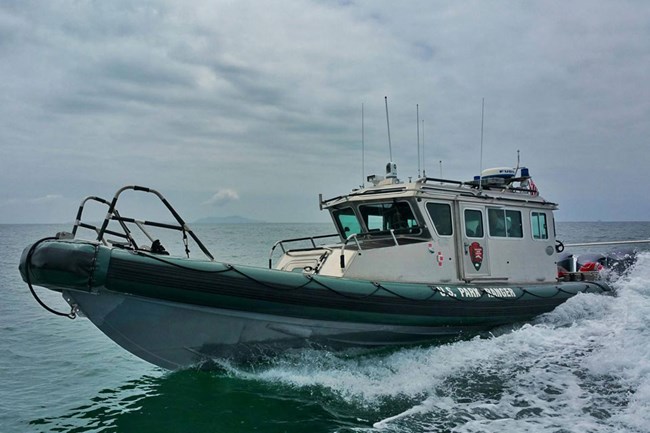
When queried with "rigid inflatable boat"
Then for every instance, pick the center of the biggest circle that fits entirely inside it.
(410, 262)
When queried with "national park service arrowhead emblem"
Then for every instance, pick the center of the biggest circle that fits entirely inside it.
(476, 255)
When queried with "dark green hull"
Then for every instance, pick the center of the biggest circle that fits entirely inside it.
(174, 311)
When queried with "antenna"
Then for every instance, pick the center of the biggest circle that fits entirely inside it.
(440, 169)
(424, 170)
(417, 110)
(517, 169)
(480, 173)
(363, 153)
(390, 147)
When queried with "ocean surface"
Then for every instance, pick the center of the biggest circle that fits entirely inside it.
(585, 367)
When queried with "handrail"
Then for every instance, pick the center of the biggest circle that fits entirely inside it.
(114, 215)
(364, 235)
(79, 223)
(348, 239)
(281, 243)
(589, 244)
(392, 233)
(436, 179)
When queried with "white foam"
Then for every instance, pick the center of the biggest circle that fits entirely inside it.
(583, 367)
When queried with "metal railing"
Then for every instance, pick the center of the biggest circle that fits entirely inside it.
(130, 242)
(306, 238)
(354, 237)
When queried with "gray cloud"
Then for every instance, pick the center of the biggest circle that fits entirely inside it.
(97, 95)
(48, 198)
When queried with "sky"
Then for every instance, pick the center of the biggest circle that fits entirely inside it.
(253, 108)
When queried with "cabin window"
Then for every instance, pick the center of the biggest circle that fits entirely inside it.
(396, 216)
(538, 224)
(440, 214)
(505, 223)
(347, 221)
(473, 223)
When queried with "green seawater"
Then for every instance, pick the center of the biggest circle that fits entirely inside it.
(190, 401)
(583, 367)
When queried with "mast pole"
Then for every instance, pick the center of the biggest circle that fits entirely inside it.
(390, 147)
(480, 174)
(417, 110)
(424, 170)
(363, 151)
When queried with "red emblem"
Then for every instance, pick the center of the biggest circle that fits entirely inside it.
(476, 255)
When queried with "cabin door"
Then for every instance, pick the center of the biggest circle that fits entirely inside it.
(473, 248)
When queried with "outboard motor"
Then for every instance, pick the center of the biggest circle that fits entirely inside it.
(619, 261)
(566, 264)
(578, 268)
(591, 262)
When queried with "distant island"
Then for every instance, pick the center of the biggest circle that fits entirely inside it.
(232, 219)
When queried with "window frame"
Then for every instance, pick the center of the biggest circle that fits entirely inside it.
(481, 221)
(507, 233)
(534, 214)
(335, 214)
(433, 221)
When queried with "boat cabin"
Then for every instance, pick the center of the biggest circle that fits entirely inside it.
(493, 229)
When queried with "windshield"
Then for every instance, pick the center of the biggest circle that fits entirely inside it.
(377, 217)
(396, 216)
(346, 221)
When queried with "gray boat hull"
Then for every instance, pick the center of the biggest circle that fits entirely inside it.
(175, 335)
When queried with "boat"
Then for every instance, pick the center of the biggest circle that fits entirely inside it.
(410, 263)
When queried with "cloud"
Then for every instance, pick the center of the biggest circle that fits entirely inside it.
(48, 198)
(45, 199)
(177, 96)
(222, 197)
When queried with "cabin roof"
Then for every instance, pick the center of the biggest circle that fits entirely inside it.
(432, 188)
